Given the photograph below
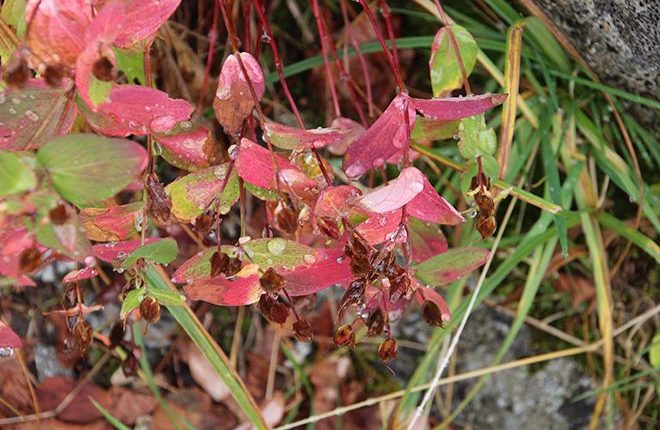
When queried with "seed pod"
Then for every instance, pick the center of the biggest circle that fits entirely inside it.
(388, 349)
(53, 75)
(399, 284)
(117, 335)
(150, 309)
(272, 309)
(58, 215)
(485, 203)
(375, 323)
(83, 336)
(345, 336)
(287, 220)
(70, 297)
(271, 281)
(204, 222)
(353, 295)
(329, 227)
(219, 263)
(431, 313)
(29, 260)
(486, 225)
(233, 267)
(104, 70)
(17, 73)
(303, 330)
(130, 365)
(159, 204)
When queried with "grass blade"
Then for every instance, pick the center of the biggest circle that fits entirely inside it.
(109, 417)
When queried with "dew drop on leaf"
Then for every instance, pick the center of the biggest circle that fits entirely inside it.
(276, 246)
(6, 352)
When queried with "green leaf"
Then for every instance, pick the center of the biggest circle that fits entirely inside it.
(446, 74)
(99, 91)
(168, 298)
(13, 13)
(131, 301)
(451, 265)
(475, 138)
(654, 352)
(260, 193)
(432, 129)
(16, 175)
(163, 251)
(131, 63)
(87, 169)
(278, 252)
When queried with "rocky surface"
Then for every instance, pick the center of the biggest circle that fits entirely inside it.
(619, 39)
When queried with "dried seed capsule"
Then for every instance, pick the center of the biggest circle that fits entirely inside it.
(272, 309)
(83, 336)
(399, 284)
(388, 349)
(375, 323)
(58, 215)
(104, 70)
(329, 227)
(271, 281)
(219, 263)
(29, 260)
(117, 334)
(345, 336)
(204, 222)
(233, 267)
(354, 294)
(303, 330)
(431, 313)
(486, 225)
(130, 365)
(150, 309)
(53, 75)
(159, 204)
(485, 203)
(287, 220)
(17, 73)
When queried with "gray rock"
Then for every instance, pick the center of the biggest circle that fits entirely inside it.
(619, 39)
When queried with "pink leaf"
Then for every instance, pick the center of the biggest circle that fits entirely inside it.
(119, 250)
(452, 108)
(379, 228)
(237, 291)
(396, 193)
(9, 339)
(423, 294)
(430, 206)
(352, 130)
(386, 136)
(330, 268)
(142, 19)
(334, 202)
(56, 29)
(292, 138)
(79, 275)
(426, 240)
(188, 148)
(14, 241)
(115, 223)
(233, 100)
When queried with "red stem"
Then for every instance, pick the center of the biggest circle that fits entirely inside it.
(213, 35)
(324, 49)
(390, 32)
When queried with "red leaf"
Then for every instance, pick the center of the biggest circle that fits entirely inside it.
(334, 202)
(56, 29)
(79, 275)
(115, 223)
(292, 138)
(9, 339)
(142, 19)
(452, 108)
(330, 268)
(386, 136)
(430, 206)
(396, 193)
(423, 294)
(426, 240)
(237, 291)
(379, 228)
(14, 241)
(110, 251)
(352, 130)
(233, 100)
(188, 148)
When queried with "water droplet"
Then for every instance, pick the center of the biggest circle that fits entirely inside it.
(309, 258)
(185, 125)
(32, 116)
(162, 123)
(6, 352)
(16, 100)
(356, 170)
(233, 152)
(89, 261)
(137, 222)
(340, 259)
(277, 246)
(265, 38)
(244, 239)
(12, 111)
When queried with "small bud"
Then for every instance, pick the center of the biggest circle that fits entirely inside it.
(83, 336)
(117, 335)
(150, 309)
(486, 225)
(17, 73)
(53, 75)
(303, 330)
(271, 281)
(58, 215)
(388, 349)
(130, 365)
(204, 222)
(29, 260)
(431, 313)
(104, 70)
(345, 336)
(375, 323)
(219, 263)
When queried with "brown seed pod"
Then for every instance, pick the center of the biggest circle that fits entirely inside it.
(117, 335)
(399, 283)
(29, 260)
(104, 70)
(271, 281)
(485, 203)
(83, 336)
(159, 204)
(204, 222)
(486, 225)
(219, 263)
(329, 227)
(388, 349)
(272, 309)
(150, 309)
(303, 330)
(353, 295)
(17, 73)
(375, 323)
(58, 215)
(53, 75)
(233, 267)
(345, 336)
(431, 313)
(287, 220)
(130, 365)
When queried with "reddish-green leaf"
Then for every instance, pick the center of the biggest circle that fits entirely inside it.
(426, 240)
(142, 19)
(9, 339)
(335, 202)
(379, 228)
(331, 268)
(446, 74)
(240, 290)
(453, 108)
(114, 223)
(79, 275)
(451, 265)
(67, 236)
(188, 147)
(109, 252)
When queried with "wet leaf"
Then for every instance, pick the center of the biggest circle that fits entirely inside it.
(15, 241)
(453, 108)
(476, 139)
(112, 224)
(451, 265)
(292, 138)
(163, 251)
(429, 206)
(86, 169)
(239, 290)
(191, 194)
(109, 252)
(233, 100)
(331, 268)
(142, 19)
(379, 228)
(336, 201)
(432, 129)
(387, 136)
(426, 240)
(188, 147)
(352, 130)
(16, 175)
(199, 265)
(396, 193)
(446, 74)
(278, 253)
(9, 339)
(132, 301)
(79, 275)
